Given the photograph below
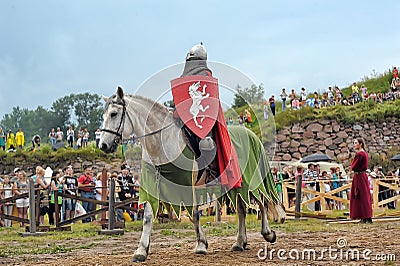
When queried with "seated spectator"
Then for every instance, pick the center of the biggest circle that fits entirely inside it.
(295, 104)
(379, 98)
(324, 101)
(372, 96)
(317, 102)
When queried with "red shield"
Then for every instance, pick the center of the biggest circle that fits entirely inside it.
(196, 100)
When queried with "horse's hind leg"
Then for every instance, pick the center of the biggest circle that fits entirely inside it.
(241, 240)
(201, 245)
(268, 234)
(143, 250)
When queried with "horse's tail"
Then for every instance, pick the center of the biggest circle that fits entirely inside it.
(275, 212)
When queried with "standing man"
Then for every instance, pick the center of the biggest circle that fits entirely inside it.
(2, 140)
(196, 98)
(125, 182)
(70, 188)
(283, 98)
(86, 185)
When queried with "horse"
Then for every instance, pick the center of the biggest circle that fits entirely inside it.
(163, 141)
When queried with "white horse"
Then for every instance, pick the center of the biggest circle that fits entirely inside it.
(197, 98)
(163, 141)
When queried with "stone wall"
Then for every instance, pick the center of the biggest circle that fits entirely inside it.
(335, 139)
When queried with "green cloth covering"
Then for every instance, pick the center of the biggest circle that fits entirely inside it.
(172, 182)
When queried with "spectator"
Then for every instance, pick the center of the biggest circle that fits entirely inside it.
(310, 176)
(10, 142)
(295, 104)
(241, 120)
(70, 187)
(41, 183)
(56, 185)
(6, 191)
(395, 72)
(80, 133)
(338, 93)
(283, 98)
(364, 92)
(70, 136)
(98, 134)
(230, 121)
(21, 187)
(86, 186)
(272, 104)
(286, 177)
(278, 182)
(330, 95)
(60, 135)
(335, 185)
(248, 119)
(85, 138)
(317, 103)
(2, 140)
(20, 139)
(99, 188)
(127, 191)
(292, 95)
(372, 96)
(325, 176)
(303, 95)
(52, 137)
(36, 143)
(266, 111)
(354, 88)
(360, 200)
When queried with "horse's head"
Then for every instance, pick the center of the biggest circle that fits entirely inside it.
(113, 121)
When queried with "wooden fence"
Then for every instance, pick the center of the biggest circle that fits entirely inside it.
(391, 184)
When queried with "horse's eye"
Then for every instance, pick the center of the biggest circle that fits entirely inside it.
(114, 114)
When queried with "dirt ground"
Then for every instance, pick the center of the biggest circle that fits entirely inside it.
(380, 238)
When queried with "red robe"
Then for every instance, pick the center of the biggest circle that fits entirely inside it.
(360, 199)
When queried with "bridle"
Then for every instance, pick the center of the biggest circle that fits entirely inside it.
(118, 133)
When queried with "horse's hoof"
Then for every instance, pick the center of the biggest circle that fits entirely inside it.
(271, 237)
(200, 249)
(237, 247)
(138, 258)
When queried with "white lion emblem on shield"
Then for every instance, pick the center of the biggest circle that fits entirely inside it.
(197, 97)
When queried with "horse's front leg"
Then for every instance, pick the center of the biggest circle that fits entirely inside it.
(143, 250)
(201, 245)
(268, 234)
(241, 240)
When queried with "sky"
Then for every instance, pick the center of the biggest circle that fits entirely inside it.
(50, 49)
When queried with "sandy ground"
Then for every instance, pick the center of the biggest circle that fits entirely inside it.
(380, 238)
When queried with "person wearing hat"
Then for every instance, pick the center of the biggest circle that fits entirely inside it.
(10, 142)
(14, 178)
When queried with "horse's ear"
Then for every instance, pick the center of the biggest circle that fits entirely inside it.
(104, 98)
(120, 93)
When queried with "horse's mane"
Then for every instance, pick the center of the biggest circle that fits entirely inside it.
(155, 105)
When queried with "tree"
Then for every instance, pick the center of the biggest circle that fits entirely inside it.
(251, 95)
(88, 110)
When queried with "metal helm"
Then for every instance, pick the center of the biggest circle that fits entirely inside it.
(198, 52)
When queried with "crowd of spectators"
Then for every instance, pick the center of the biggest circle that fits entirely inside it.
(334, 96)
(87, 185)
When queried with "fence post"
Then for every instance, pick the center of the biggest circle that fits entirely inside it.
(111, 209)
(322, 202)
(285, 195)
(298, 196)
(375, 198)
(104, 191)
(56, 208)
(32, 207)
(217, 211)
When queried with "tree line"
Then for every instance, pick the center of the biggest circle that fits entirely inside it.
(79, 110)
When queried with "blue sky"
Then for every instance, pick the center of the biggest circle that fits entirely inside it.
(49, 49)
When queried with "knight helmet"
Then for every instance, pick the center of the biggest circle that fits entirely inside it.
(198, 52)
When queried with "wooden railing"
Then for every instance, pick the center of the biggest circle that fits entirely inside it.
(321, 195)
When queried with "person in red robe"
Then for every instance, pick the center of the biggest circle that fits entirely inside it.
(360, 199)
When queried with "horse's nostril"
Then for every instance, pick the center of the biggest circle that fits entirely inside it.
(104, 146)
